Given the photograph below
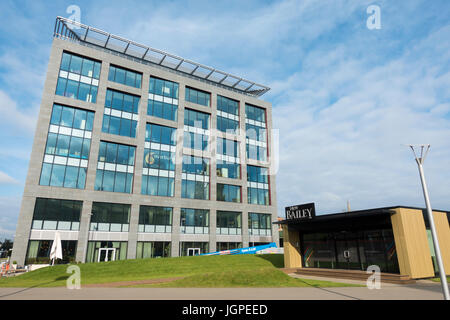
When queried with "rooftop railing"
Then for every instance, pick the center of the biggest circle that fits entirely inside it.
(74, 31)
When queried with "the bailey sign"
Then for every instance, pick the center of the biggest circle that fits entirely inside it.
(303, 211)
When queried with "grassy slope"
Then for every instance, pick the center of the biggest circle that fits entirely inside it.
(256, 278)
(212, 271)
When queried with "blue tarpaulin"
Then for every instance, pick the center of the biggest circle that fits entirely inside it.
(248, 250)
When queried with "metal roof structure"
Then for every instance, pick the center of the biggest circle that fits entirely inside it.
(74, 31)
(351, 216)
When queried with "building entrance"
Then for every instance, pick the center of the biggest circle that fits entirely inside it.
(347, 253)
(106, 254)
(193, 251)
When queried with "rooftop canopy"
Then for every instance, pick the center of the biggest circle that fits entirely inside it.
(368, 218)
(71, 30)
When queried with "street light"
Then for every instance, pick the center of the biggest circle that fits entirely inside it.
(420, 160)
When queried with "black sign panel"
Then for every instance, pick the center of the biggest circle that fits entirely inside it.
(301, 211)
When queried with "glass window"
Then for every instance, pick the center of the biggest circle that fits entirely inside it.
(108, 98)
(116, 180)
(71, 177)
(83, 92)
(120, 125)
(97, 66)
(194, 189)
(50, 148)
(229, 219)
(138, 80)
(120, 75)
(259, 221)
(65, 61)
(198, 96)
(227, 105)
(156, 134)
(228, 169)
(72, 89)
(153, 185)
(39, 252)
(117, 100)
(159, 84)
(108, 180)
(62, 146)
(257, 174)
(80, 119)
(112, 73)
(257, 193)
(194, 218)
(61, 86)
(125, 127)
(56, 114)
(67, 116)
(121, 101)
(255, 113)
(159, 184)
(76, 144)
(156, 249)
(81, 178)
(67, 146)
(88, 68)
(45, 174)
(228, 147)
(228, 193)
(120, 181)
(75, 64)
(110, 216)
(90, 121)
(196, 165)
(130, 79)
(128, 103)
(151, 215)
(168, 109)
(57, 177)
(111, 152)
(196, 119)
(93, 95)
(227, 125)
(114, 124)
(76, 89)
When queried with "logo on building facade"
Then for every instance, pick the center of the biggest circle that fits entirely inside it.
(301, 211)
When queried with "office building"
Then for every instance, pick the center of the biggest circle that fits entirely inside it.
(142, 154)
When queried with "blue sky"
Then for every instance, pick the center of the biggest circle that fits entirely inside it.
(345, 98)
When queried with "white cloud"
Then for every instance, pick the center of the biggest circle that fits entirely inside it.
(13, 118)
(352, 149)
(6, 179)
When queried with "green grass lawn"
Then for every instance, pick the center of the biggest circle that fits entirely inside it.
(203, 271)
(266, 277)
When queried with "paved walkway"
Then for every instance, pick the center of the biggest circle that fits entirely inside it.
(423, 290)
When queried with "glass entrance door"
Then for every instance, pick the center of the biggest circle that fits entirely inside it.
(106, 254)
(347, 253)
(193, 251)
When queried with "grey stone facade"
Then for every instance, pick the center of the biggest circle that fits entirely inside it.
(33, 190)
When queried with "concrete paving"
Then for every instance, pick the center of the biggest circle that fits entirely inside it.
(423, 290)
(350, 281)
